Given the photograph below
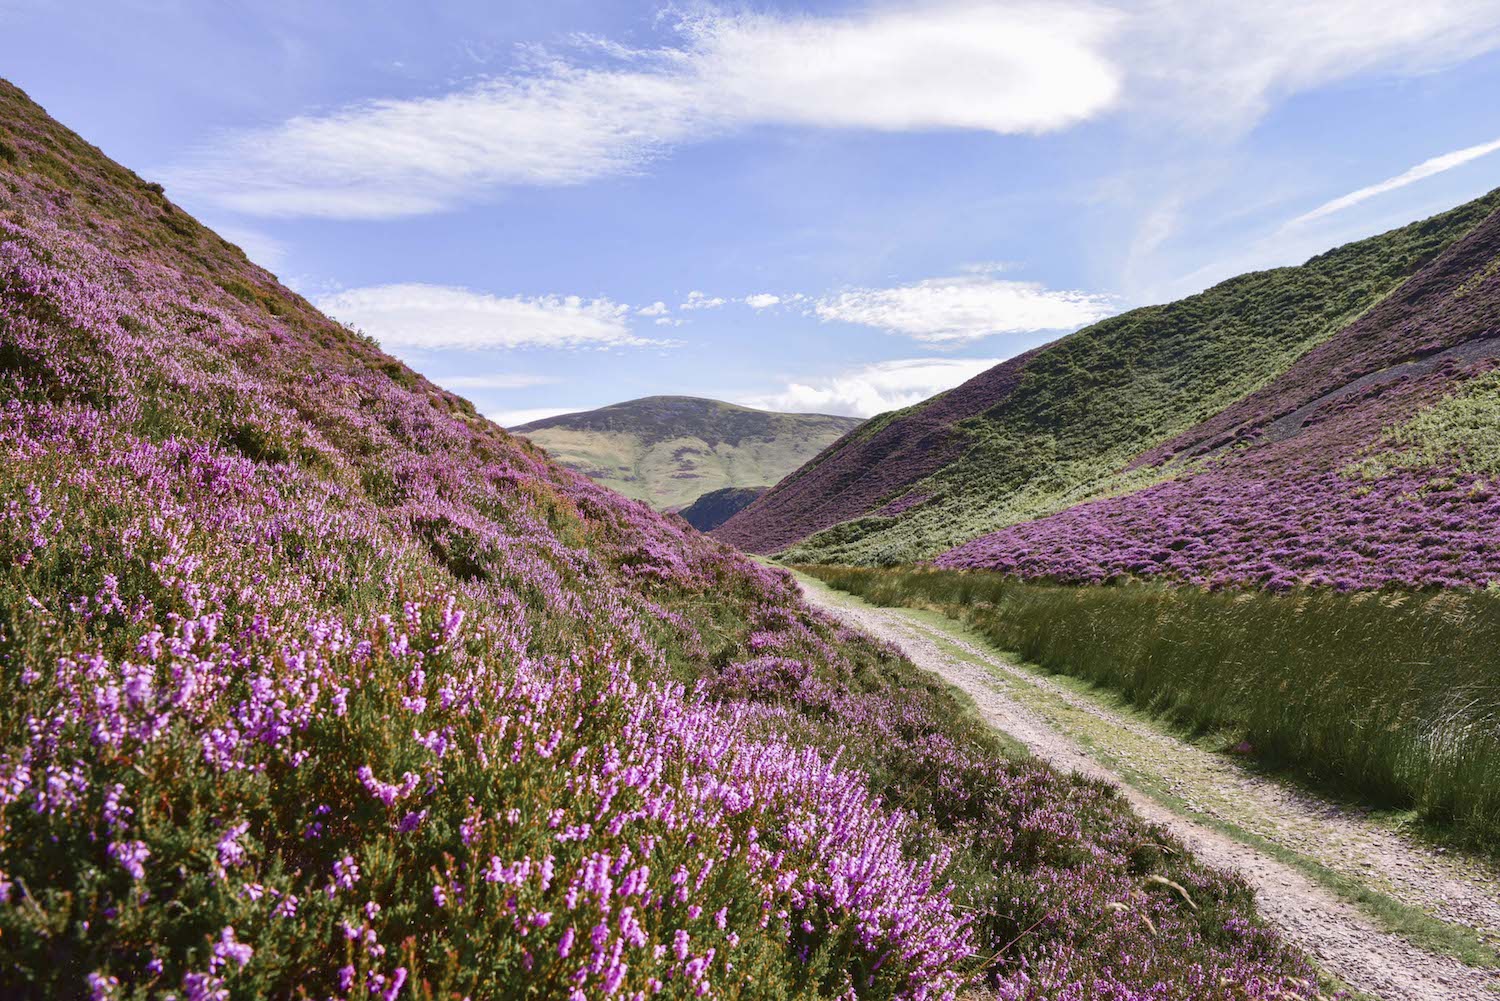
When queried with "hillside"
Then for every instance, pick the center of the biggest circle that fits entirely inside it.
(315, 683)
(670, 450)
(1070, 421)
(718, 506)
(1371, 461)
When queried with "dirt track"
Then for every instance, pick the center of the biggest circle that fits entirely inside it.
(1344, 939)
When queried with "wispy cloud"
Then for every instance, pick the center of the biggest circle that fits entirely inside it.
(1427, 168)
(965, 308)
(600, 108)
(496, 380)
(872, 389)
(262, 248)
(414, 316)
(1225, 63)
(517, 418)
(605, 109)
(762, 300)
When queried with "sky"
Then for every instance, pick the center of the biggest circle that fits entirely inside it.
(840, 207)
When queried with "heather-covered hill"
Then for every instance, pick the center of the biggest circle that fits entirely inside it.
(1070, 421)
(1370, 462)
(314, 683)
(670, 450)
(718, 506)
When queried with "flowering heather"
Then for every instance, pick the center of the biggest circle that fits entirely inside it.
(1291, 488)
(316, 684)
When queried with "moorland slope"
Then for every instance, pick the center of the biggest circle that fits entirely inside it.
(1084, 417)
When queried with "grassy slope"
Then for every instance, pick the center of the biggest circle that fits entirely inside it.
(1069, 420)
(313, 681)
(670, 450)
(1262, 494)
(1392, 698)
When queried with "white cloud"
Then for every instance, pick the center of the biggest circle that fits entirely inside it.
(516, 418)
(497, 380)
(416, 316)
(966, 308)
(657, 308)
(986, 267)
(606, 110)
(762, 300)
(697, 300)
(262, 248)
(1227, 62)
(602, 109)
(1425, 169)
(873, 389)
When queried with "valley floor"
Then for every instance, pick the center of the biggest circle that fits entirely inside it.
(1388, 916)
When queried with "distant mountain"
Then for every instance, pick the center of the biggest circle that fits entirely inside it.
(718, 506)
(671, 450)
(1145, 428)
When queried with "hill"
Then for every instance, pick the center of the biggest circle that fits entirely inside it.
(1075, 420)
(314, 682)
(1371, 461)
(718, 506)
(670, 450)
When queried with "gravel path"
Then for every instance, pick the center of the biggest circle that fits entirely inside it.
(1345, 941)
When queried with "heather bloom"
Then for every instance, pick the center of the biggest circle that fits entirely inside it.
(132, 857)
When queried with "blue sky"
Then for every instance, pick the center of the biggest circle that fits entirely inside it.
(833, 206)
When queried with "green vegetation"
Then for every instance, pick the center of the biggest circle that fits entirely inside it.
(670, 450)
(1090, 404)
(1461, 432)
(1393, 696)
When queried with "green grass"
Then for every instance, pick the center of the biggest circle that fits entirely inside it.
(1461, 432)
(1422, 929)
(1394, 698)
(1094, 401)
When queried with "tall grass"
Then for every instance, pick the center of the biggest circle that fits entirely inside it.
(1393, 696)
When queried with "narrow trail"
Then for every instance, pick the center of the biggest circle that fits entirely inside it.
(1049, 719)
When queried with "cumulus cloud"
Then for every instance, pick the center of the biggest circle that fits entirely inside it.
(415, 316)
(1425, 169)
(698, 300)
(657, 308)
(601, 108)
(873, 389)
(762, 300)
(965, 308)
(604, 110)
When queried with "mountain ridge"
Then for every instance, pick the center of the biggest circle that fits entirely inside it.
(671, 450)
